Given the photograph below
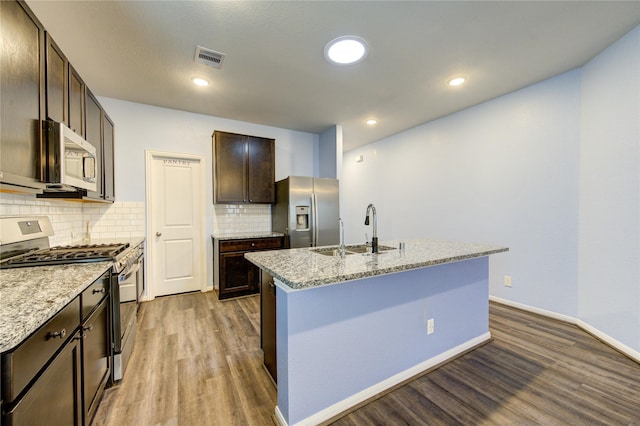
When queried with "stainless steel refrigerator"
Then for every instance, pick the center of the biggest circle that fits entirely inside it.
(307, 211)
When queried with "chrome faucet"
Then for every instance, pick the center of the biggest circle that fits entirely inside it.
(374, 238)
(343, 249)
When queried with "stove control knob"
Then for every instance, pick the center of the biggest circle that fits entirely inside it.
(158, 234)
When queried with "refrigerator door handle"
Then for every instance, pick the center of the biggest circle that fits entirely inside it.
(314, 220)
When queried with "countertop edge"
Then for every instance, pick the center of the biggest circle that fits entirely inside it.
(246, 235)
(309, 284)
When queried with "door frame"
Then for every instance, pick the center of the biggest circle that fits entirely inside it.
(200, 206)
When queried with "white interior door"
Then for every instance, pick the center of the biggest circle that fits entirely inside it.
(175, 218)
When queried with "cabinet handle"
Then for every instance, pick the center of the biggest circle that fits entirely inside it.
(59, 334)
(99, 290)
(85, 330)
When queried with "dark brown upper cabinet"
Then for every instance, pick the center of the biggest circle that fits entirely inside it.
(22, 73)
(76, 102)
(57, 82)
(93, 135)
(108, 151)
(244, 169)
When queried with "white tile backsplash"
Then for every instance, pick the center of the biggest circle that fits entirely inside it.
(231, 218)
(122, 219)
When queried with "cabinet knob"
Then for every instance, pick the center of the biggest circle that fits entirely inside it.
(253, 244)
(59, 334)
(158, 234)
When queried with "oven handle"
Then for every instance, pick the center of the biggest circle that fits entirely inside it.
(129, 271)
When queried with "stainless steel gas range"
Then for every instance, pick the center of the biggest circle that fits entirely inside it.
(24, 242)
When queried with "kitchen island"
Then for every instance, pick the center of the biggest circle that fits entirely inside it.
(349, 328)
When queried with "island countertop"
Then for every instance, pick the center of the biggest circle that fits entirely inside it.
(303, 268)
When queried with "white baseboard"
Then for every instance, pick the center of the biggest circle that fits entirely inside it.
(543, 312)
(619, 346)
(382, 386)
(280, 417)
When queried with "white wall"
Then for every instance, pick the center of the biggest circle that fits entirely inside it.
(552, 171)
(504, 172)
(609, 233)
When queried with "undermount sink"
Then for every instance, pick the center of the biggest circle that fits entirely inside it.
(361, 248)
(329, 251)
(352, 249)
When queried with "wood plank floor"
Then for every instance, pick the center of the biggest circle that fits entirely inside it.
(197, 361)
(536, 371)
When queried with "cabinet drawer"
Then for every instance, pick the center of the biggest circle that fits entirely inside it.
(250, 244)
(26, 361)
(92, 296)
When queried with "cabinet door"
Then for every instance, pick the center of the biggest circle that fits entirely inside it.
(261, 169)
(237, 275)
(109, 159)
(54, 399)
(57, 90)
(230, 168)
(93, 132)
(96, 364)
(21, 89)
(76, 102)
(268, 323)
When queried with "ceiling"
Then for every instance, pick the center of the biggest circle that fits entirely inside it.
(275, 72)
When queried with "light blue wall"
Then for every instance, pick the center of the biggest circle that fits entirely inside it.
(139, 127)
(609, 232)
(338, 340)
(330, 153)
(504, 173)
(552, 171)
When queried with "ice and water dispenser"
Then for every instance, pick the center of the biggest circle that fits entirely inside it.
(302, 218)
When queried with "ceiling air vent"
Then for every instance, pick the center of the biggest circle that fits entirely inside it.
(209, 57)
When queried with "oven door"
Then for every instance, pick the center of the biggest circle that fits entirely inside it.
(140, 280)
(124, 288)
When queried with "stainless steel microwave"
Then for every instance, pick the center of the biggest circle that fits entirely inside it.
(69, 160)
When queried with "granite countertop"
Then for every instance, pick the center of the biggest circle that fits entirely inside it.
(30, 296)
(302, 268)
(246, 235)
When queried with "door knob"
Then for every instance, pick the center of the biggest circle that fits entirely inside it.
(158, 234)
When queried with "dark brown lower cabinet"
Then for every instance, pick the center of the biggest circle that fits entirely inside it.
(54, 399)
(236, 276)
(96, 358)
(268, 324)
(57, 375)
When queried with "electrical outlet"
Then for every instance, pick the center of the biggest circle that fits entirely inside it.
(507, 280)
(431, 326)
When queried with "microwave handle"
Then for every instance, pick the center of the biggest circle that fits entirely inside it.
(89, 169)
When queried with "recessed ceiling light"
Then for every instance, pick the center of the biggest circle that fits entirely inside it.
(346, 50)
(456, 81)
(372, 121)
(200, 81)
